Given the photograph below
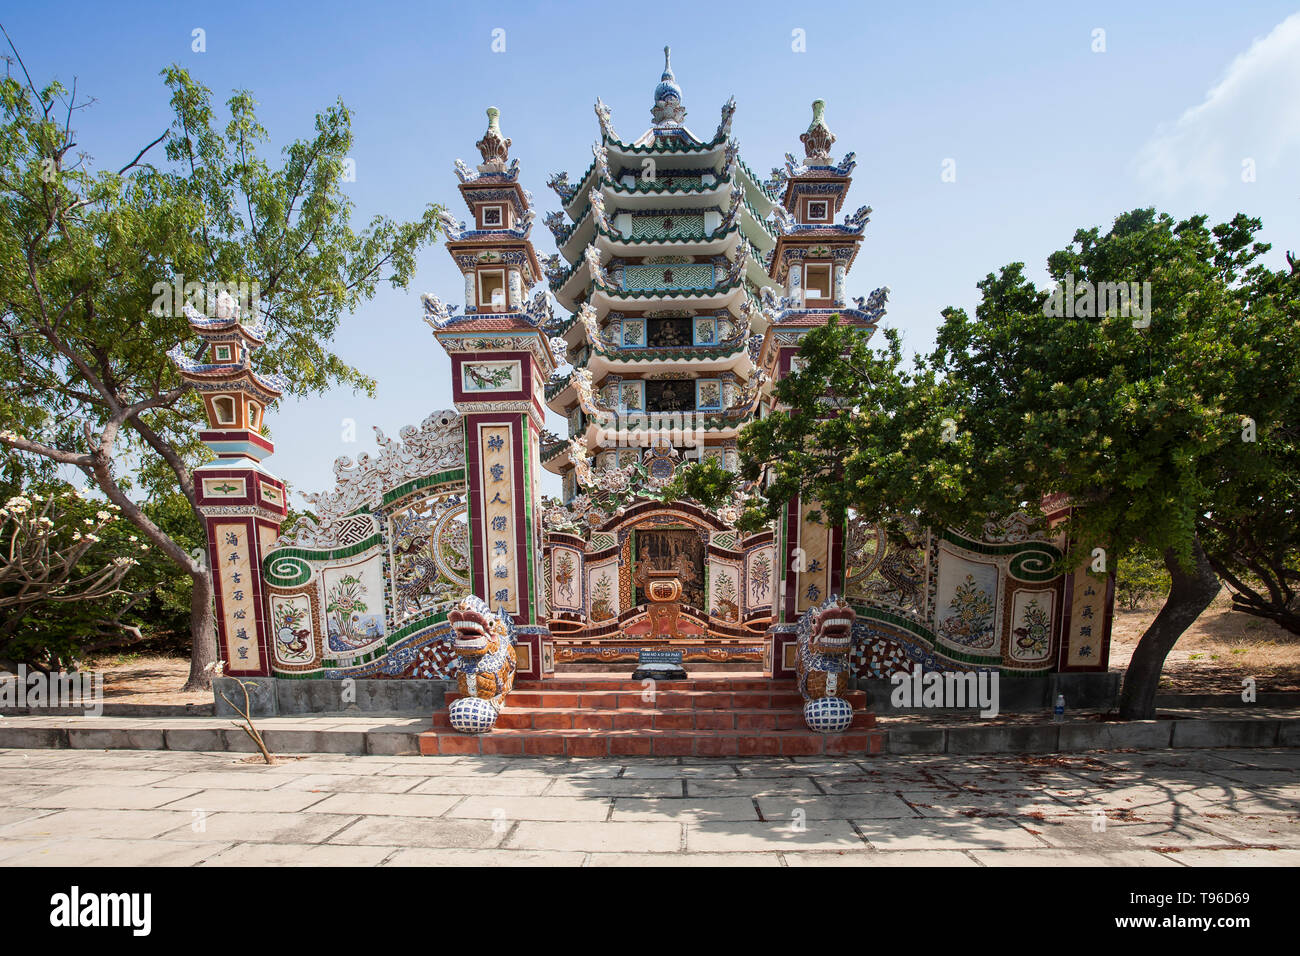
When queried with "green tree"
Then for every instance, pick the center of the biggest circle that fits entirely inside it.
(69, 575)
(1139, 423)
(1138, 577)
(83, 253)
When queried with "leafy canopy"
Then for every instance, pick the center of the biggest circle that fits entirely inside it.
(1143, 424)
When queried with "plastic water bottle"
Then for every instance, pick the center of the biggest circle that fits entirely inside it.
(1058, 712)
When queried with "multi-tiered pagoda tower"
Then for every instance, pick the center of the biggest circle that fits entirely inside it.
(690, 281)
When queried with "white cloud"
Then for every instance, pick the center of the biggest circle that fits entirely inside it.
(1253, 113)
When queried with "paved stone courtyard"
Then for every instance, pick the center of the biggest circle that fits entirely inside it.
(1160, 808)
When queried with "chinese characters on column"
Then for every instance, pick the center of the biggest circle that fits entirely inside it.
(811, 562)
(233, 559)
(1086, 619)
(497, 475)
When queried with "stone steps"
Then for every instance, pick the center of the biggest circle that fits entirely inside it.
(717, 717)
(651, 743)
(594, 718)
(664, 700)
(578, 685)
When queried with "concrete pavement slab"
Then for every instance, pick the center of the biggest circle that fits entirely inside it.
(430, 857)
(869, 856)
(683, 810)
(421, 831)
(344, 782)
(110, 852)
(299, 854)
(507, 808)
(235, 826)
(492, 785)
(772, 836)
(1056, 857)
(247, 801)
(875, 806)
(661, 837)
(385, 804)
(946, 833)
(84, 823)
(109, 798)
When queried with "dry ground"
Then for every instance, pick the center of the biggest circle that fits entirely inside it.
(1221, 648)
(1216, 652)
(147, 679)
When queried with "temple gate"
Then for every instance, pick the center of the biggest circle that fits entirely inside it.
(690, 283)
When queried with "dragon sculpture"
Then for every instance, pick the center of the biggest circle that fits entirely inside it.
(825, 638)
(484, 643)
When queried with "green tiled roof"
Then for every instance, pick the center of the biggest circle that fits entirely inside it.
(762, 187)
(668, 147)
(694, 353)
(672, 293)
(555, 388)
(657, 186)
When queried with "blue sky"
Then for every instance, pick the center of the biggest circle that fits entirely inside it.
(1047, 134)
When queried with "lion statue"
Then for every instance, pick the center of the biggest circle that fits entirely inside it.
(825, 638)
(484, 642)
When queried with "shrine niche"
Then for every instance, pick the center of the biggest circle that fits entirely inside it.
(680, 550)
(668, 333)
(670, 395)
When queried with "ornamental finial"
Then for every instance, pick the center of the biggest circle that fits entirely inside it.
(494, 149)
(817, 141)
(668, 107)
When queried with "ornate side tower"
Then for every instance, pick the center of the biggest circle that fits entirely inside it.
(810, 263)
(241, 502)
(500, 361)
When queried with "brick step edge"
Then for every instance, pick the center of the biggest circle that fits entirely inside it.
(724, 685)
(664, 700)
(636, 743)
(541, 718)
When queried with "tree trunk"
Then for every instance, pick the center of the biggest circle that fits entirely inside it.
(202, 632)
(1190, 594)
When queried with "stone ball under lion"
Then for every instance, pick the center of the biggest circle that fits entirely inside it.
(472, 715)
(828, 715)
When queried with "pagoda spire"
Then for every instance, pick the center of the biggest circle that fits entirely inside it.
(668, 107)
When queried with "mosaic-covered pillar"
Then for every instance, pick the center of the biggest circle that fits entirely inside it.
(516, 290)
(809, 554)
(241, 502)
(471, 294)
(794, 280)
(242, 507)
(497, 383)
